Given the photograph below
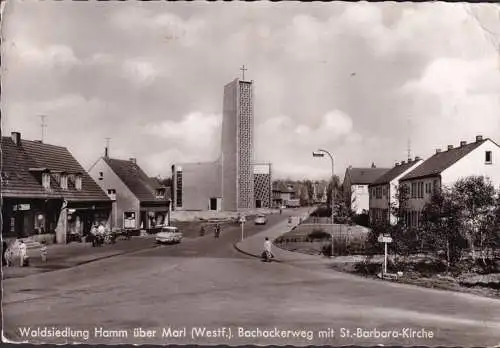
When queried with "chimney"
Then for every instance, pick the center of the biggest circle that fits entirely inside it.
(463, 143)
(397, 164)
(438, 150)
(403, 162)
(16, 138)
(417, 159)
(450, 147)
(106, 152)
(479, 138)
(373, 165)
(133, 160)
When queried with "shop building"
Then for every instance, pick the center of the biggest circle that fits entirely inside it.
(139, 202)
(46, 194)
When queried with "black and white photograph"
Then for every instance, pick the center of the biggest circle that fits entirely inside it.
(250, 173)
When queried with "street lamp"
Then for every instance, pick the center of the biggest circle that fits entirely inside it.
(321, 153)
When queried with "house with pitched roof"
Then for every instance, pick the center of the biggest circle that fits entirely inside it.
(46, 194)
(139, 202)
(282, 193)
(355, 186)
(444, 168)
(383, 192)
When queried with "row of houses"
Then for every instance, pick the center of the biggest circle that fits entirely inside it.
(46, 194)
(377, 191)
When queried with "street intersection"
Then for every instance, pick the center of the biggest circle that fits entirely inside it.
(204, 291)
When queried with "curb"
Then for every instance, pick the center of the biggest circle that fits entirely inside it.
(250, 254)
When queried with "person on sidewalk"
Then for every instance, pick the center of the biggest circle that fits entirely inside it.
(267, 254)
(22, 254)
(101, 231)
(43, 251)
(93, 234)
(217, 231)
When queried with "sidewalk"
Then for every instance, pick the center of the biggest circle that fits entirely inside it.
(253, 246)
(73, 254)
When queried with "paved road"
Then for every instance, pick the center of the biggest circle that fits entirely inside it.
(205, 283)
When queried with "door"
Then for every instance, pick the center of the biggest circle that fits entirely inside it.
(258, 203)
(213, 203)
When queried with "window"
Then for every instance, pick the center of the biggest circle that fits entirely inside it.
(46, 181)
(160, 193)
(78, 182)
(112, 194)
(414, 190)
(64, 181)
(179, 189)
(488, 157)
(129, 220)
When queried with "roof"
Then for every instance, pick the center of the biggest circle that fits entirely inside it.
(141, 185)
(21, 182)
(365, 176)
(394, 173)
(440, 161)
(282, 187)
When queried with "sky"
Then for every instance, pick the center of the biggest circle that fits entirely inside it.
(357, 79)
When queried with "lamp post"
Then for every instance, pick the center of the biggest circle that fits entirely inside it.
(321, 153)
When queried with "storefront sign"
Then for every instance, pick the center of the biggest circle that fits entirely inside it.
(21, 207)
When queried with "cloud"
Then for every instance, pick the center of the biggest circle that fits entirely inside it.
(196, 135)
(52, 56)
(141, 71)
(170, 26)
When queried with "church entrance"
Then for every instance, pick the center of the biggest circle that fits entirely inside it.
(258, 203)
(213, 203)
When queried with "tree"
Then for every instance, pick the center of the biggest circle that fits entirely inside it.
(476, 197)
(441, 226)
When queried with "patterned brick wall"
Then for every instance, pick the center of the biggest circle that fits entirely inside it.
(245, 147)
(262, 188)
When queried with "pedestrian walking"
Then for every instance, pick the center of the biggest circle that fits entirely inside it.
(267, 254)
(43, 251)
(202, 230)
(22, 253)
(101, 231)
(93, 233)
(217, 231)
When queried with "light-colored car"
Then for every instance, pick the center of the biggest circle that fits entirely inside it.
(169, 234)
(260, 220)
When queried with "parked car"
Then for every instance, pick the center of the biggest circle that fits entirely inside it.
(260, 220)
(169, 234)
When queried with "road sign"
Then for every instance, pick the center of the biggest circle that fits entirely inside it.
(243, 220)
(384, 239)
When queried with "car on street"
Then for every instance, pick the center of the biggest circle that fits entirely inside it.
(168, 235)
(260, 220)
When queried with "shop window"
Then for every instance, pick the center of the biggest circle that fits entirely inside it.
(129, 219)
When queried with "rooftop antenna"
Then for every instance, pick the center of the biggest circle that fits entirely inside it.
(243, 69)
(409, 139)
(43, 125)
(106, 150)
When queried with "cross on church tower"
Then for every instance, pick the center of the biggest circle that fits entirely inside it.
(243, 69)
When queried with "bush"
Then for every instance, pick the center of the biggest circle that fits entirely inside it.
(362, 220)
(318, 234)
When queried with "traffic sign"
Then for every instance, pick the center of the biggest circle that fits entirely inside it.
(384, 239)
(243, 220)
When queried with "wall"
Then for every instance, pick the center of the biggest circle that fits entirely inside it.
(360, 198)
(200, 182)
(125, 199)
(246, 198)
(229, 146)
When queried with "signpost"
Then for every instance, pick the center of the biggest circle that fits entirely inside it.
(386, 240)
(242, 222)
